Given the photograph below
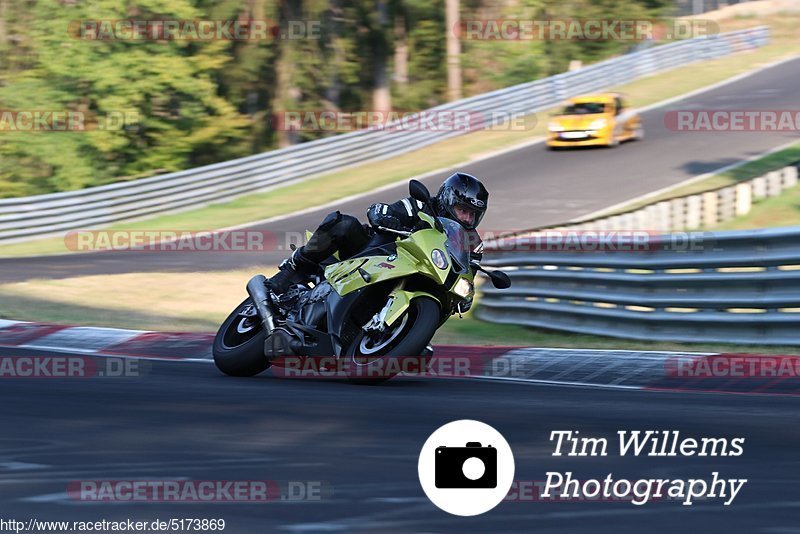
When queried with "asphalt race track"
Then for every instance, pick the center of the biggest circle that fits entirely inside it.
(185, 420)
(529, 187)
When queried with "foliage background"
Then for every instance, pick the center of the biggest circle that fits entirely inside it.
(196, 103)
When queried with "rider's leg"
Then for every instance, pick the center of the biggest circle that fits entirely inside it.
(338, 232)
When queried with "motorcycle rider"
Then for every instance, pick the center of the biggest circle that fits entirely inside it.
(462, 198)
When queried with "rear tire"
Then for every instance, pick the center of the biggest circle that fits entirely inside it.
(238, 353)
(417, 328)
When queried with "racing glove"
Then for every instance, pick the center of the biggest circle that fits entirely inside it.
(377, 216)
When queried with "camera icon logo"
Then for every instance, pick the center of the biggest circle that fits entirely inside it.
(466, 467)
(472, 466)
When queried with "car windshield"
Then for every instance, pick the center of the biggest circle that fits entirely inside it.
(457, 244)
(584, 108)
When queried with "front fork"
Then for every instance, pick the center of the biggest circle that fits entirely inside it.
(379, 321)
(396, 305)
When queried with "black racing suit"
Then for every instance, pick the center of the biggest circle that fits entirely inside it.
(346, 235)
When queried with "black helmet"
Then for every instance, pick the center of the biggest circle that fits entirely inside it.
(464, 199)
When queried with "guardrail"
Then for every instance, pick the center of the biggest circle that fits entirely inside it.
(46, 215)
(737, 287)
(684, 8)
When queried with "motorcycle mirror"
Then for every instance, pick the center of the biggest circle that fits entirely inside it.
(500, 280)
(419, 192)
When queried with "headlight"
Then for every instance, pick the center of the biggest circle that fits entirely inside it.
(463, 288)
(599, 124)
(439, 259)
(555, 127)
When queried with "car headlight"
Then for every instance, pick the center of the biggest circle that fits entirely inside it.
(438, 258)
(599, 124)
(463, 288)
(555, 127)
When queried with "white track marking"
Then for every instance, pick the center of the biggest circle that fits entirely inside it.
(20, 466)
(556, 382)
(85, 339)
(101, 354)
(623, 350)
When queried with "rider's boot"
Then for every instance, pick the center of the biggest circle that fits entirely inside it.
(296, 269)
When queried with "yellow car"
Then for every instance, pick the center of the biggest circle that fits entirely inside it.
(591, 120)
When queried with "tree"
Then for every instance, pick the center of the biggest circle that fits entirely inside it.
(165, 89)
(452, 18)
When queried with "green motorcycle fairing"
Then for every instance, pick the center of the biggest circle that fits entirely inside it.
(413, 257)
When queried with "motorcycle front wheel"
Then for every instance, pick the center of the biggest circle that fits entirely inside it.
(372, 359)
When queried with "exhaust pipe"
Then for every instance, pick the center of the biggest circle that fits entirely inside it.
(257, 290)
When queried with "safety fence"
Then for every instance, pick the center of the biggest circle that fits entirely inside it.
(737, 287)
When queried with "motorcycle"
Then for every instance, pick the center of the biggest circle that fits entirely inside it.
(385, 302)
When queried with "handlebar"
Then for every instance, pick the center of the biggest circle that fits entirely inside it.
(393, 231)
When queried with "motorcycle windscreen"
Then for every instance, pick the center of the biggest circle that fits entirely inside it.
(458, 244)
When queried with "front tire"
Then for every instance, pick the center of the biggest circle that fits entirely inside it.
(239, 344)
(369, 362)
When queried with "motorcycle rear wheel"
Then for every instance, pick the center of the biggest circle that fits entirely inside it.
(239, 344)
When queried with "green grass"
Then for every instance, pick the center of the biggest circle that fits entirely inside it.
(44, 311)
(196, 302)
(770, 162)
(450, 153)
(783, 210)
